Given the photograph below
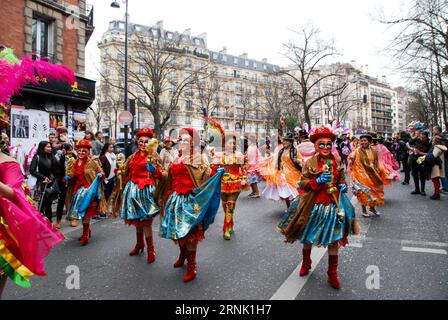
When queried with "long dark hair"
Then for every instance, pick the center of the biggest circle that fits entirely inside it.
(105, 147)
(41, 149)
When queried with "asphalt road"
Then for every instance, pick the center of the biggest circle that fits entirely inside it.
(400, 255)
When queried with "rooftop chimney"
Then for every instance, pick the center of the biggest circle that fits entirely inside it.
(159, 25)
(264, 60)
(224, 50)
(384, 79)
(244, 55)
(187, 32)
(203, 36)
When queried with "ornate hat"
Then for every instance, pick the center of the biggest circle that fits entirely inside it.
(145, 132)
(368, 136)
(303, 133)
(322, 132)
(84, 144)
(289, 136)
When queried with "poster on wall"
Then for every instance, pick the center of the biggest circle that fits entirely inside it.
(28, 128)
(56, 120)
(76, 125)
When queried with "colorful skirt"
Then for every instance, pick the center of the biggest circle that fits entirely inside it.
(75, 211)
(254, 178)
(323, 227)
(278, 192)
(184, 213)
(139, 205)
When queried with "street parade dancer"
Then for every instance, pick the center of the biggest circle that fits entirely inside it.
(193, 200)
(282, 172)
(386, 158)
(368, 176)
(254, 159)
(26, 236)
(322, 215)
(85, 196)
(137, 203)
(234, 180)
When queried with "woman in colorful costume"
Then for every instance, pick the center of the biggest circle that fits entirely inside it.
(368, 176)
(137, 203)
(387, 159)
(193, 200)
(85, 196)
(233, 182)
(283, 172)
(254, 159)
(323, 215)
(26, 237)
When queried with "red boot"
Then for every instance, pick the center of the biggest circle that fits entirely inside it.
(151, 254)
(191, 266)
(333, 272)
(86, 234)
(140, 246)
(306, 263)
(182, 256)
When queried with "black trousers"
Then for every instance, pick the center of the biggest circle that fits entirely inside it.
(418, 174)
(46, 208)
(61, 200)
(109, 187)
(406, 169)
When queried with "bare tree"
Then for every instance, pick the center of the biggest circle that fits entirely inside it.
(420, 49)
(208, 92)
(307, 55)
(163, 73)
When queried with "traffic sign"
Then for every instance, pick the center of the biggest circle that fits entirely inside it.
(125, 118)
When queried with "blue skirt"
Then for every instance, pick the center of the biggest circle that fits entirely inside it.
(139, 204)
(184, 212)
(323, 227)
(74, 211)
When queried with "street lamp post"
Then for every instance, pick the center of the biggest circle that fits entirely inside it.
(116, 5)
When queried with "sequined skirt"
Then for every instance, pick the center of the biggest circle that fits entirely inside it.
(139, 205)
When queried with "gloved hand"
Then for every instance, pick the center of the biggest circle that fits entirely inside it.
(324, 178)
(67, 178)
(150, 168)
(343, 188)
(99, 175)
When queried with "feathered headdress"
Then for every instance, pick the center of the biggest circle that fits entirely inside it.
(15, 74)
(214, 126)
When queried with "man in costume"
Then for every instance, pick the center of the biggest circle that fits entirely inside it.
(85, 196)
(368, 176)
(323, 215)
(193, 200)
(137, 203)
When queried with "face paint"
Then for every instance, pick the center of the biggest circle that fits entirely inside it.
(142, 142)
(323, 146)
(83, 153)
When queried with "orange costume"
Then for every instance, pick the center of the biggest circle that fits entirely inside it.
(233, 182)
(368, 176)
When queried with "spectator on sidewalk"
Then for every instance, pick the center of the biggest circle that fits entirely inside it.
(438, 167)
(97, 144)
(419, 146)
(108, 161)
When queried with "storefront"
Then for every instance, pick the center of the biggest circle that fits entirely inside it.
(39, 110)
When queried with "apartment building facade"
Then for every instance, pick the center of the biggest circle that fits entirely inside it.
(232, 91)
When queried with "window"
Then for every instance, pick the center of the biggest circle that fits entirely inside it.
(141, 70)
(237, 99)
(265, 67)
(141, 99)
(141, 54)
(255, 65)
(188, 63)
(224, 58)
(42, 37)
(121, 25)
(215, 56)
(189, 105)
(169, 35)
(246, 63)
(235, 60)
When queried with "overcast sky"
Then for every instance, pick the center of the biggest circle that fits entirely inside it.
(261, 27)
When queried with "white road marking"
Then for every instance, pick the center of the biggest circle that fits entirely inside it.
(424, 250)
(423, 243)
(291, 288)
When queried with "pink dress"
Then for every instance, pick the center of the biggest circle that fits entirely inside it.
(26, 236)
(307, 150)
(388, 161)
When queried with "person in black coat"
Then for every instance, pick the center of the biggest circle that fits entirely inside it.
(44, 167)
(108, 161)
(63, 157)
